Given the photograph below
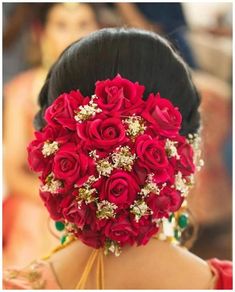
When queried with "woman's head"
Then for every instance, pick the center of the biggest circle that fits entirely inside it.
(94, 149)
(136, 55)
(63, 23)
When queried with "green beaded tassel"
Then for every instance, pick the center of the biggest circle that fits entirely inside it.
(63, 239)
(59, 225)
(183, 221)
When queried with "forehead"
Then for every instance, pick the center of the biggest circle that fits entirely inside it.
(70, 11)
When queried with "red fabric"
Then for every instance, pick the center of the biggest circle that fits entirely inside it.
(224, 273)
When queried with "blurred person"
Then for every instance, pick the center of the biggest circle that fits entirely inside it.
(223, 26)
(21, 33)
(16, 20)
(168, 19)
(56, 25)
(216, 225)
(117, 149)
(214, 189)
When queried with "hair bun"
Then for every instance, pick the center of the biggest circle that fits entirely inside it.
(112, 166)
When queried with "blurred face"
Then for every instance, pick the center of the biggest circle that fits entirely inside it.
(67, 23)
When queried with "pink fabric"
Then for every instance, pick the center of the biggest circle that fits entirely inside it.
(38, 275)
(18, 231)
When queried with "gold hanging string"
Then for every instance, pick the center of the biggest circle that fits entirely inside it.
(100, 271)
(96, 254)
(84, 277)
(59, 247)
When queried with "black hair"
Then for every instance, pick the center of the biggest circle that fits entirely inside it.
(135, 54)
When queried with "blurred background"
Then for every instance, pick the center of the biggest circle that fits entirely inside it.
(34, 34)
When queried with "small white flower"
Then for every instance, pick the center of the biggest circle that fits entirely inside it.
(52, 185)
(123, 158)
(105, 210)
(170, 148)
(139, 209)
(135, 126)
(180, 184)
(49, 148)
(104, 167)
(87, 110)
(149, 187)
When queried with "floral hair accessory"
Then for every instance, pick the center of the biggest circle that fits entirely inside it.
(113, 167)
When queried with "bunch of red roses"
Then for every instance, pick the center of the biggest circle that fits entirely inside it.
(113, 165)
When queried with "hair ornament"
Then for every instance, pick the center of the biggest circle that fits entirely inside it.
(114, 168)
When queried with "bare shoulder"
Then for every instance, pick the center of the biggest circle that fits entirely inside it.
(191, 271)
(69, 263)
(158, 265)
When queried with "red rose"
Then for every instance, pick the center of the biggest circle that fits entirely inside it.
(55, 133)
(90, 237)
(36, 159)
(140, 174)
(161, 175)
(151, 153)
(119, 95)
(121, 230)
(55, 203)
(146, 229)
(102, 134)
(164, 175)
(120, 188)
(75, 214)
(71, 165)
(185, 164)
(163, 115)
(169, 200)
(62, 111)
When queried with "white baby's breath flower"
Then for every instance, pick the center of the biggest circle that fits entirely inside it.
(49, 148)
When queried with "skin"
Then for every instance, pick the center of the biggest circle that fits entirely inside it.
(67, 23)
(143, 267)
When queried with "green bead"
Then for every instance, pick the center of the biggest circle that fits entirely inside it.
(183, 221)
(63, 239)
(177, 234)
(171, 217)
(59, 225)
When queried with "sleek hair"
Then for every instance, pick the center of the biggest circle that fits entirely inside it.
(137, 55)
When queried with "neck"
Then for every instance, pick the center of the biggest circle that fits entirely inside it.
(160, 256)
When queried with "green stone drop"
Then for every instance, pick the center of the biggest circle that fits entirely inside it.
(59, 225)
(183, 221)
(63, 239)
(171, 217)
(177, 234)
